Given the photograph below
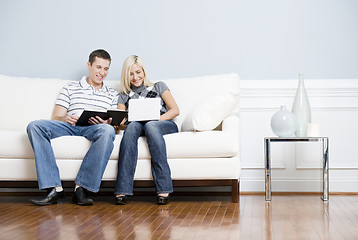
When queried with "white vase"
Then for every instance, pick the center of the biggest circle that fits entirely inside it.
(283, 123)
(301, 108)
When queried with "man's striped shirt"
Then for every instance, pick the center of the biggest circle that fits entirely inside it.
(78, 96)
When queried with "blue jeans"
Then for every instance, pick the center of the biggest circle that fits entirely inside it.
(128, 155)
(89, 176)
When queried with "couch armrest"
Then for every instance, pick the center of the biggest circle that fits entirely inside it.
(231, 123)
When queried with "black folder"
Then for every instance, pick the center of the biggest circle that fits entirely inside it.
(116, 115)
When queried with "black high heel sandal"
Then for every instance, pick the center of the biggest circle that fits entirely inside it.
(122, 200)
(161, 200)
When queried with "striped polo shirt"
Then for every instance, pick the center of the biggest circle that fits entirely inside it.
(79, 95)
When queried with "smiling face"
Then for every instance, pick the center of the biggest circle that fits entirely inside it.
(98, 71)
(136, 75)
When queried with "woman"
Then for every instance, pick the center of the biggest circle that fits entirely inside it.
(134, 84)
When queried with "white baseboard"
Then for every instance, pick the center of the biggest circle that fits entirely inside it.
(299, 186)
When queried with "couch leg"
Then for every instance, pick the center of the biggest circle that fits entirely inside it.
(235, 190)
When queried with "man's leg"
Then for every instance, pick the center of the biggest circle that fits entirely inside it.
(96, 159)
(40, 133)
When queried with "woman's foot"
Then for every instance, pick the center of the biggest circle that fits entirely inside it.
(163, 198)
(121, 199)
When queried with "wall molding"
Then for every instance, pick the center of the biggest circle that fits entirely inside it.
(332, 101)
(278, 89)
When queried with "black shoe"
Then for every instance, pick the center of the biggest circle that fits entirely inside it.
(121, 200)
(52, 197)
(163, 200)
(80, 197)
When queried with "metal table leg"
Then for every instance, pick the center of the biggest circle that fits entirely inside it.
(268, 170)
(325, 192)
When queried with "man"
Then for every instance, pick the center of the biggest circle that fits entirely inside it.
(89, 93)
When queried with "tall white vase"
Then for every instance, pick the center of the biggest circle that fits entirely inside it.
(301, 108)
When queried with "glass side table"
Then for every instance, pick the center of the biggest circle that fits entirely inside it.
(268, 140)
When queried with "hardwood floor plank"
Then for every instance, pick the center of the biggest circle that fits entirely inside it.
(185, 217)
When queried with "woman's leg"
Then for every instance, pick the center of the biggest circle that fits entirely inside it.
(127, 161)
(154, 131)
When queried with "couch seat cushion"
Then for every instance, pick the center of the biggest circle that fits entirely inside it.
(202, 144)
(15, 144)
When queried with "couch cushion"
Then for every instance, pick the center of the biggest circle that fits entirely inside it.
(181, 169)
(202, 144)
(35, 97)
(210, 112)
(189, 92)
(15, 144)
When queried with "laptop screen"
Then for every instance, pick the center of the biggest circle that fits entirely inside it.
(144, 109)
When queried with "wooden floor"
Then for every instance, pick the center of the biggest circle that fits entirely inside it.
(186, 217)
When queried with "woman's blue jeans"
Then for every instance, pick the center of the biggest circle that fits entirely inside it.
(89, 176)
(128, 155)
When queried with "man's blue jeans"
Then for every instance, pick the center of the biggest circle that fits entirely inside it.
(40, 133)
(128, 155)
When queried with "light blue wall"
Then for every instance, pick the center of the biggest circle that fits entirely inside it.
(259, 39)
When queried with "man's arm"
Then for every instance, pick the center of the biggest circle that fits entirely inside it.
(59, 114)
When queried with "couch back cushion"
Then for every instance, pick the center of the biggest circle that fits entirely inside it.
(24, 99)
(189, 92)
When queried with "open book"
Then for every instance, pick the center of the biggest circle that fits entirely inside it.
(116, 115)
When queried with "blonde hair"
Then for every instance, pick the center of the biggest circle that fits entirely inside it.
(125, 76)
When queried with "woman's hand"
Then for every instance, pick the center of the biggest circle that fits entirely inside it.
(122, 126)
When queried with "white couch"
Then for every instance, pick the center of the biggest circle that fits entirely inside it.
(210, 157)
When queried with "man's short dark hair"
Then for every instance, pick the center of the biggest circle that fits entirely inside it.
(99, 53)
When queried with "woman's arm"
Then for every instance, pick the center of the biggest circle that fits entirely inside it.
(171, 104)
(122, 107)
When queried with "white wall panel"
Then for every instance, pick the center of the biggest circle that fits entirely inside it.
(297, 166)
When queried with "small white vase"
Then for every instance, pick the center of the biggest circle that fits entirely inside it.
(301, 108)
(283, 123)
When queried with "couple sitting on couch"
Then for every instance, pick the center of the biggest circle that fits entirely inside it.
(92, 93)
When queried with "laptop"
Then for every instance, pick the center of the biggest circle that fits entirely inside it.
(144, 109)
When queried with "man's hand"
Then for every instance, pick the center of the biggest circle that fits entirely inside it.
(98, 120)
(71, 119)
